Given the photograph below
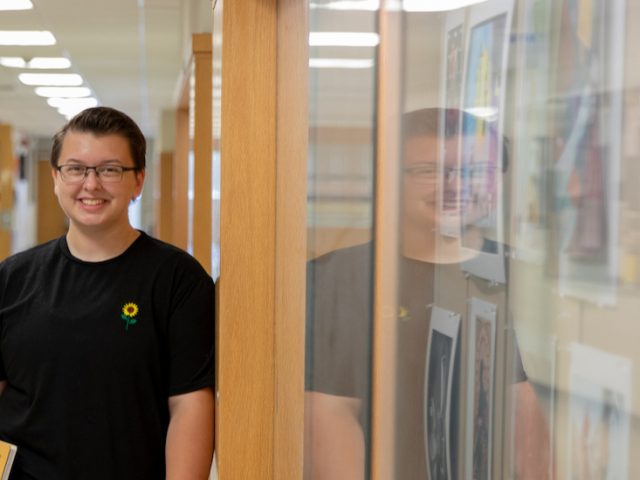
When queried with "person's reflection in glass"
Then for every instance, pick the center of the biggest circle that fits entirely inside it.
(436, 198)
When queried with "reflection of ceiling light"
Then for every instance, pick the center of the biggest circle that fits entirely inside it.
(340, 63)
(66, 92)
(436, 5)
(57, 79)
(36, 62)
(343, 39)
(86, 102)
(26, 37)
(369, 5)
(16, 5)
(489, 114)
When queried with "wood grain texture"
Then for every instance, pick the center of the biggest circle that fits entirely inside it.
(164, 202)
(7, 174)
(51, 222)
(263, 196)
(202, 148)
(291, 174)
(180, 180)
(386, 247)
(246, 372)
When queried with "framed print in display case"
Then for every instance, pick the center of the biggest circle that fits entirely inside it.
(480, 389)
(482, 149)
(440, 395)
(599, 414)
(588, 138)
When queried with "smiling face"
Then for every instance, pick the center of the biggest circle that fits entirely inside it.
(92, 205)
(430, 190)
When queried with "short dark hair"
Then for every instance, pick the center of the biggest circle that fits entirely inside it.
(445, 123)
(104, 121)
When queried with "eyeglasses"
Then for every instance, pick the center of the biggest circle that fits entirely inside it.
(106, 173)
(430, 172)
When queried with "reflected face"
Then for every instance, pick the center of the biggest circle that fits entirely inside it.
(431, 193)
(92, 203)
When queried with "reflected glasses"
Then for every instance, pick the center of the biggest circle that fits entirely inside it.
(429, 172)
(105, 173)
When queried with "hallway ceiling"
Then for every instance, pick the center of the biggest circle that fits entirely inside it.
(127, 51)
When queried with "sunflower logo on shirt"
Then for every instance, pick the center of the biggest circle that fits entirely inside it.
(129, 311)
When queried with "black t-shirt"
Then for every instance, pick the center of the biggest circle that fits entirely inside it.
(339, 339)
(91, 351)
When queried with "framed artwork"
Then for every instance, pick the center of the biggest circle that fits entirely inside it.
(480, 389)
(481, 155)
(587, 156)
(600, 402)
(452, 79)
(439, 392)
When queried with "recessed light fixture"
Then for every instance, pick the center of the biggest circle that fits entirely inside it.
(65, 92)
(343, 39)
(51, 79)
(340, 63)
(436, 5)
(36, 62)
(16, 5)
(26, 37)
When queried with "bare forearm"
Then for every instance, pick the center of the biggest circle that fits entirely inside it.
(533, 460)
(190, 438)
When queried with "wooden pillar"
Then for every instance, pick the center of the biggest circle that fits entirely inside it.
(164, 206)
(202, 148)
(180, 180)
(260, 420)
(51, 220)
(7, 176)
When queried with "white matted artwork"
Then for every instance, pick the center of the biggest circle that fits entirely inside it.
(587, 170)
(480, 389)
(480, 178)
(438, 391)
(600, 402)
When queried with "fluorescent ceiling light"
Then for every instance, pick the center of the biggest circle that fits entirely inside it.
(35, 62)
(436, 5)
(66, 92)
(51, 79)
(26, 37)
(340, 63)
(368, 5)
(489, 114)
(16, 5)
(86, 102)
(71, 110)
(343, 39)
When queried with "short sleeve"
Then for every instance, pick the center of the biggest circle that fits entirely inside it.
(191, 332)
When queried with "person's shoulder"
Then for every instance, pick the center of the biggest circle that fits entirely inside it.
(170, 255)
(354, 255)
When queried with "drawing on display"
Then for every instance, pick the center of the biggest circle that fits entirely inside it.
(482, 155)
(600, 401)
(480, 387)
(439, 392)
(586, 168)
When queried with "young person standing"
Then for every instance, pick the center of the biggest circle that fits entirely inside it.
(106, 334)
